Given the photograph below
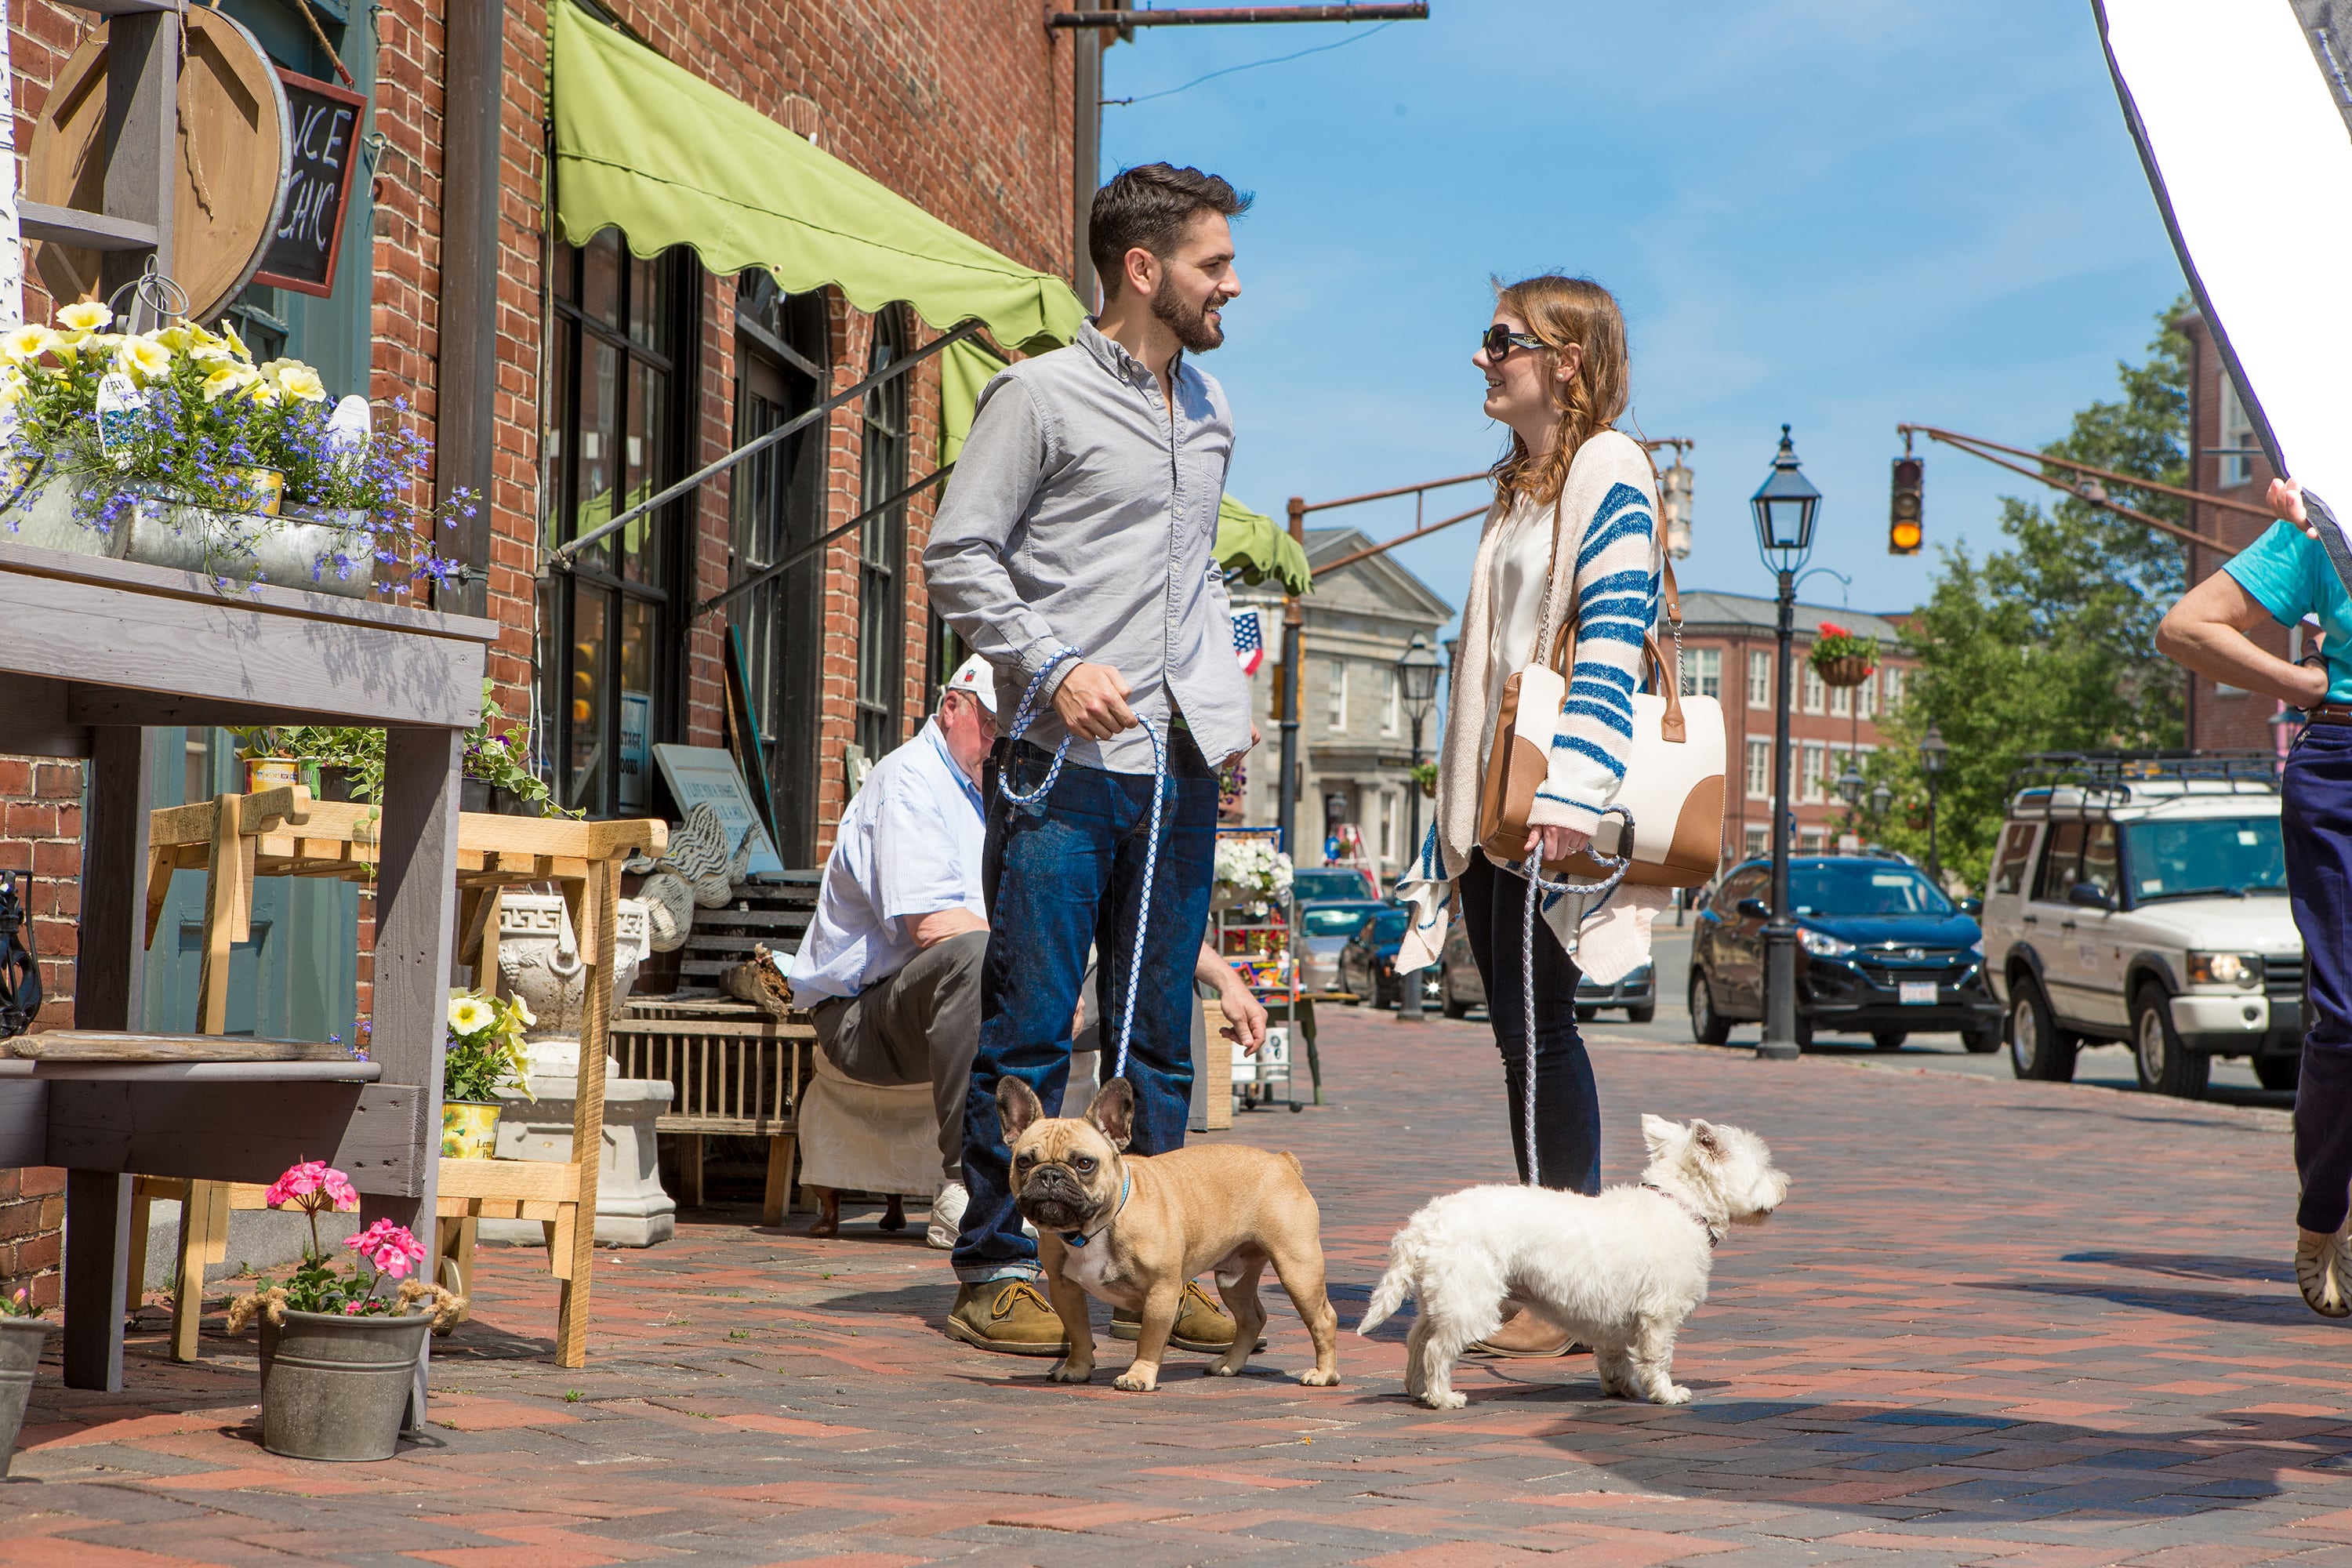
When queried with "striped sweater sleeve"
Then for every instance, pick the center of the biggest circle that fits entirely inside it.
(1616, 588)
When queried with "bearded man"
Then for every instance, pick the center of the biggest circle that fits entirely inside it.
(1075, 551)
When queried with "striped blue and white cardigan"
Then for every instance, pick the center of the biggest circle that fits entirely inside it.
(1608, 568)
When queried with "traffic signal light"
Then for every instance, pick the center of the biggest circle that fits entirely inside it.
(1903, 526)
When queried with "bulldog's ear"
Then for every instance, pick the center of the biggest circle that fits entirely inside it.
(1658, 1133)
(1016, 1109)
(1113, 1111)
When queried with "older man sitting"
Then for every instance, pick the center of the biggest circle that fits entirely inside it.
(890, 967)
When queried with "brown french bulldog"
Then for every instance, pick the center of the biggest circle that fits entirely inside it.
(1132, 1230)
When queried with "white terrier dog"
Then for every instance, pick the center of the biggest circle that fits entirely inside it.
(1620, 1271)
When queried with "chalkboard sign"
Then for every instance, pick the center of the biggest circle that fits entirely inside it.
(324, 123)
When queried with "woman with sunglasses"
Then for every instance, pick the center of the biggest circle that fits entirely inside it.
(1574, 505)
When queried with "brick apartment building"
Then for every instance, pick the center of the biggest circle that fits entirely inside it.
(565, 381)
(2226, 462)
(1729, 650)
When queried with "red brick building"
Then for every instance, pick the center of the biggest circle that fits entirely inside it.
(2225, 461)
(565, 381)
(1731, 648)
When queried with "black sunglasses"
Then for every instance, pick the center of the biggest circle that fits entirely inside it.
(1498, 339)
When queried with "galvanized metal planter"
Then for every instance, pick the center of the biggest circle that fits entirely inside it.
(22, 1341)
(335, 1387)
(284, 551)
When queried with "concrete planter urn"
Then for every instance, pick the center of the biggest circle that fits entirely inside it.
(334, 1387)
(22, 1339)
(540, 962)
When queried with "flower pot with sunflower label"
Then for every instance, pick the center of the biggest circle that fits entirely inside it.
(469, 1129)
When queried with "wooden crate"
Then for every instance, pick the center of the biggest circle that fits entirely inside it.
(730, 1070)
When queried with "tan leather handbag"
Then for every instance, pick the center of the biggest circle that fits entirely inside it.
(1674, 773)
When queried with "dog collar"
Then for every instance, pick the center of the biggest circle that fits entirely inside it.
(1079, 1238)
(1713, 1233)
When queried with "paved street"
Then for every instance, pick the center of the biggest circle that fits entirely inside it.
(1997, 1322)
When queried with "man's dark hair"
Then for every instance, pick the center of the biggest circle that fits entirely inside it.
(1151, 206)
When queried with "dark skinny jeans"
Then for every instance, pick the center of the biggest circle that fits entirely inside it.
(1568, 1105)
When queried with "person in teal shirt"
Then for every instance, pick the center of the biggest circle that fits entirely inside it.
(2285, 576)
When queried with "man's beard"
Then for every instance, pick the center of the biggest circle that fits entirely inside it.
(1191, 324)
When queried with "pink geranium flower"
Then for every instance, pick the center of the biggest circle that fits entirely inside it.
(392, 1248)
(313, 1185)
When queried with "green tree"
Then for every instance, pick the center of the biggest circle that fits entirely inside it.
(2047, 644)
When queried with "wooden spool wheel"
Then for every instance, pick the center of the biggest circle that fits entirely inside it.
(234, 148)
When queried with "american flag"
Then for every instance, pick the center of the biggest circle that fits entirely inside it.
(1249, 643)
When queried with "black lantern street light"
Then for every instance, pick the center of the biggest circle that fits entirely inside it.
(1785, 508)
(1880, 797)
(1851, 785)
(1416, 673)
(1932, 752)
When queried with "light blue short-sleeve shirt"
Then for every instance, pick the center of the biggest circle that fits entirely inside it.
(2289, 574)
(909, 845)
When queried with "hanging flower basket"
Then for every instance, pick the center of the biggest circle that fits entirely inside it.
(1841, 659)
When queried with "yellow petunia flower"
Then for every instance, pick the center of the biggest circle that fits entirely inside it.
(28, 343)
(468, 1015)
(298, 380)
(236, 344)
(85, 316)
(227, 379)
(143, 357)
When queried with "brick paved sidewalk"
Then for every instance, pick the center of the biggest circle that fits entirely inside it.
(1997, 1322)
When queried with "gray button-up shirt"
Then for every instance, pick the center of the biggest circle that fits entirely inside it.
(1080, 514)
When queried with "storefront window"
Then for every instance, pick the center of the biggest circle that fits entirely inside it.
(882, 547)
(615, 435)
(779, 511)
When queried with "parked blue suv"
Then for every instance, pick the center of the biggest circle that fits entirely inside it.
(1880, 951)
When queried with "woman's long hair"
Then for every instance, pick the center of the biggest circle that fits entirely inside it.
(1564, 311)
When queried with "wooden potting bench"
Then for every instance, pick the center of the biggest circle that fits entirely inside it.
(233, 840)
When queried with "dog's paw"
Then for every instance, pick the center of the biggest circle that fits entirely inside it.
(1676, 1394)
(1135, 1381)
(1315, 1379)
(1064, 1373)
(1441, 1401)
(1220, 1367)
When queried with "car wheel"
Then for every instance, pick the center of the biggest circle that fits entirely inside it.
(1888, 1039)
(1708, 1027)
(1981, 1042)
(2278, 1072)
(1647, 1013)
(2165, 1065)
(1454, 1006)
(2038, 1049)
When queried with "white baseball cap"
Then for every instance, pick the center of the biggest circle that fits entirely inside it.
(978, 677)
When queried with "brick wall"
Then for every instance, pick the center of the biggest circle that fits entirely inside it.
(2219, 717)
(40, 832)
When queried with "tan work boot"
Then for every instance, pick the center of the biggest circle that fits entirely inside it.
(1200, 1324)
(1524, 1336)
(1009, 1316)
(2322, 1266)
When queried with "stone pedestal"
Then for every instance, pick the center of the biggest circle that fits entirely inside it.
(539, 961)
(632, 1209)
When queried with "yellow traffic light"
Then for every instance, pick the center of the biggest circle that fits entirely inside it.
(1904, 528)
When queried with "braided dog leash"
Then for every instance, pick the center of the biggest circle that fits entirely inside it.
(1533, 868)
(1022, 716)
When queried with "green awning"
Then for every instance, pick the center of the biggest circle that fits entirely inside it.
(1260, 548)
(654, 151)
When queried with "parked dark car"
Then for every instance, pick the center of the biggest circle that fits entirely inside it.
(1368, 963)
(1880, 951)
(1459, 989)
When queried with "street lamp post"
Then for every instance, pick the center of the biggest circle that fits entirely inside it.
(1932, 751)
(1785, 507)
(1417, 673)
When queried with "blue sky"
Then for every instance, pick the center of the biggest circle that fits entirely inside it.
(1841, 213)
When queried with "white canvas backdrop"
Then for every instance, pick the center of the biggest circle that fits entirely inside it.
(2250, 155)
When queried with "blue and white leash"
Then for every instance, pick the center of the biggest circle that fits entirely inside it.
(1533, 870)
(1024, 714)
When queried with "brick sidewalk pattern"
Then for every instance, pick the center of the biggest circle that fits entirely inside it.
(2019, 1324)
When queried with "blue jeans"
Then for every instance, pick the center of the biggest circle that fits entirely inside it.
(1060, 876)
(2315, 823)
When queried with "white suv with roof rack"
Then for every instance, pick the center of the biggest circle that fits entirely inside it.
(2143, 899)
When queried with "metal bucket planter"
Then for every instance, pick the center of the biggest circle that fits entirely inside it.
(282, 551)
(469, 1129)
(335, 1387)
(22, 1341)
